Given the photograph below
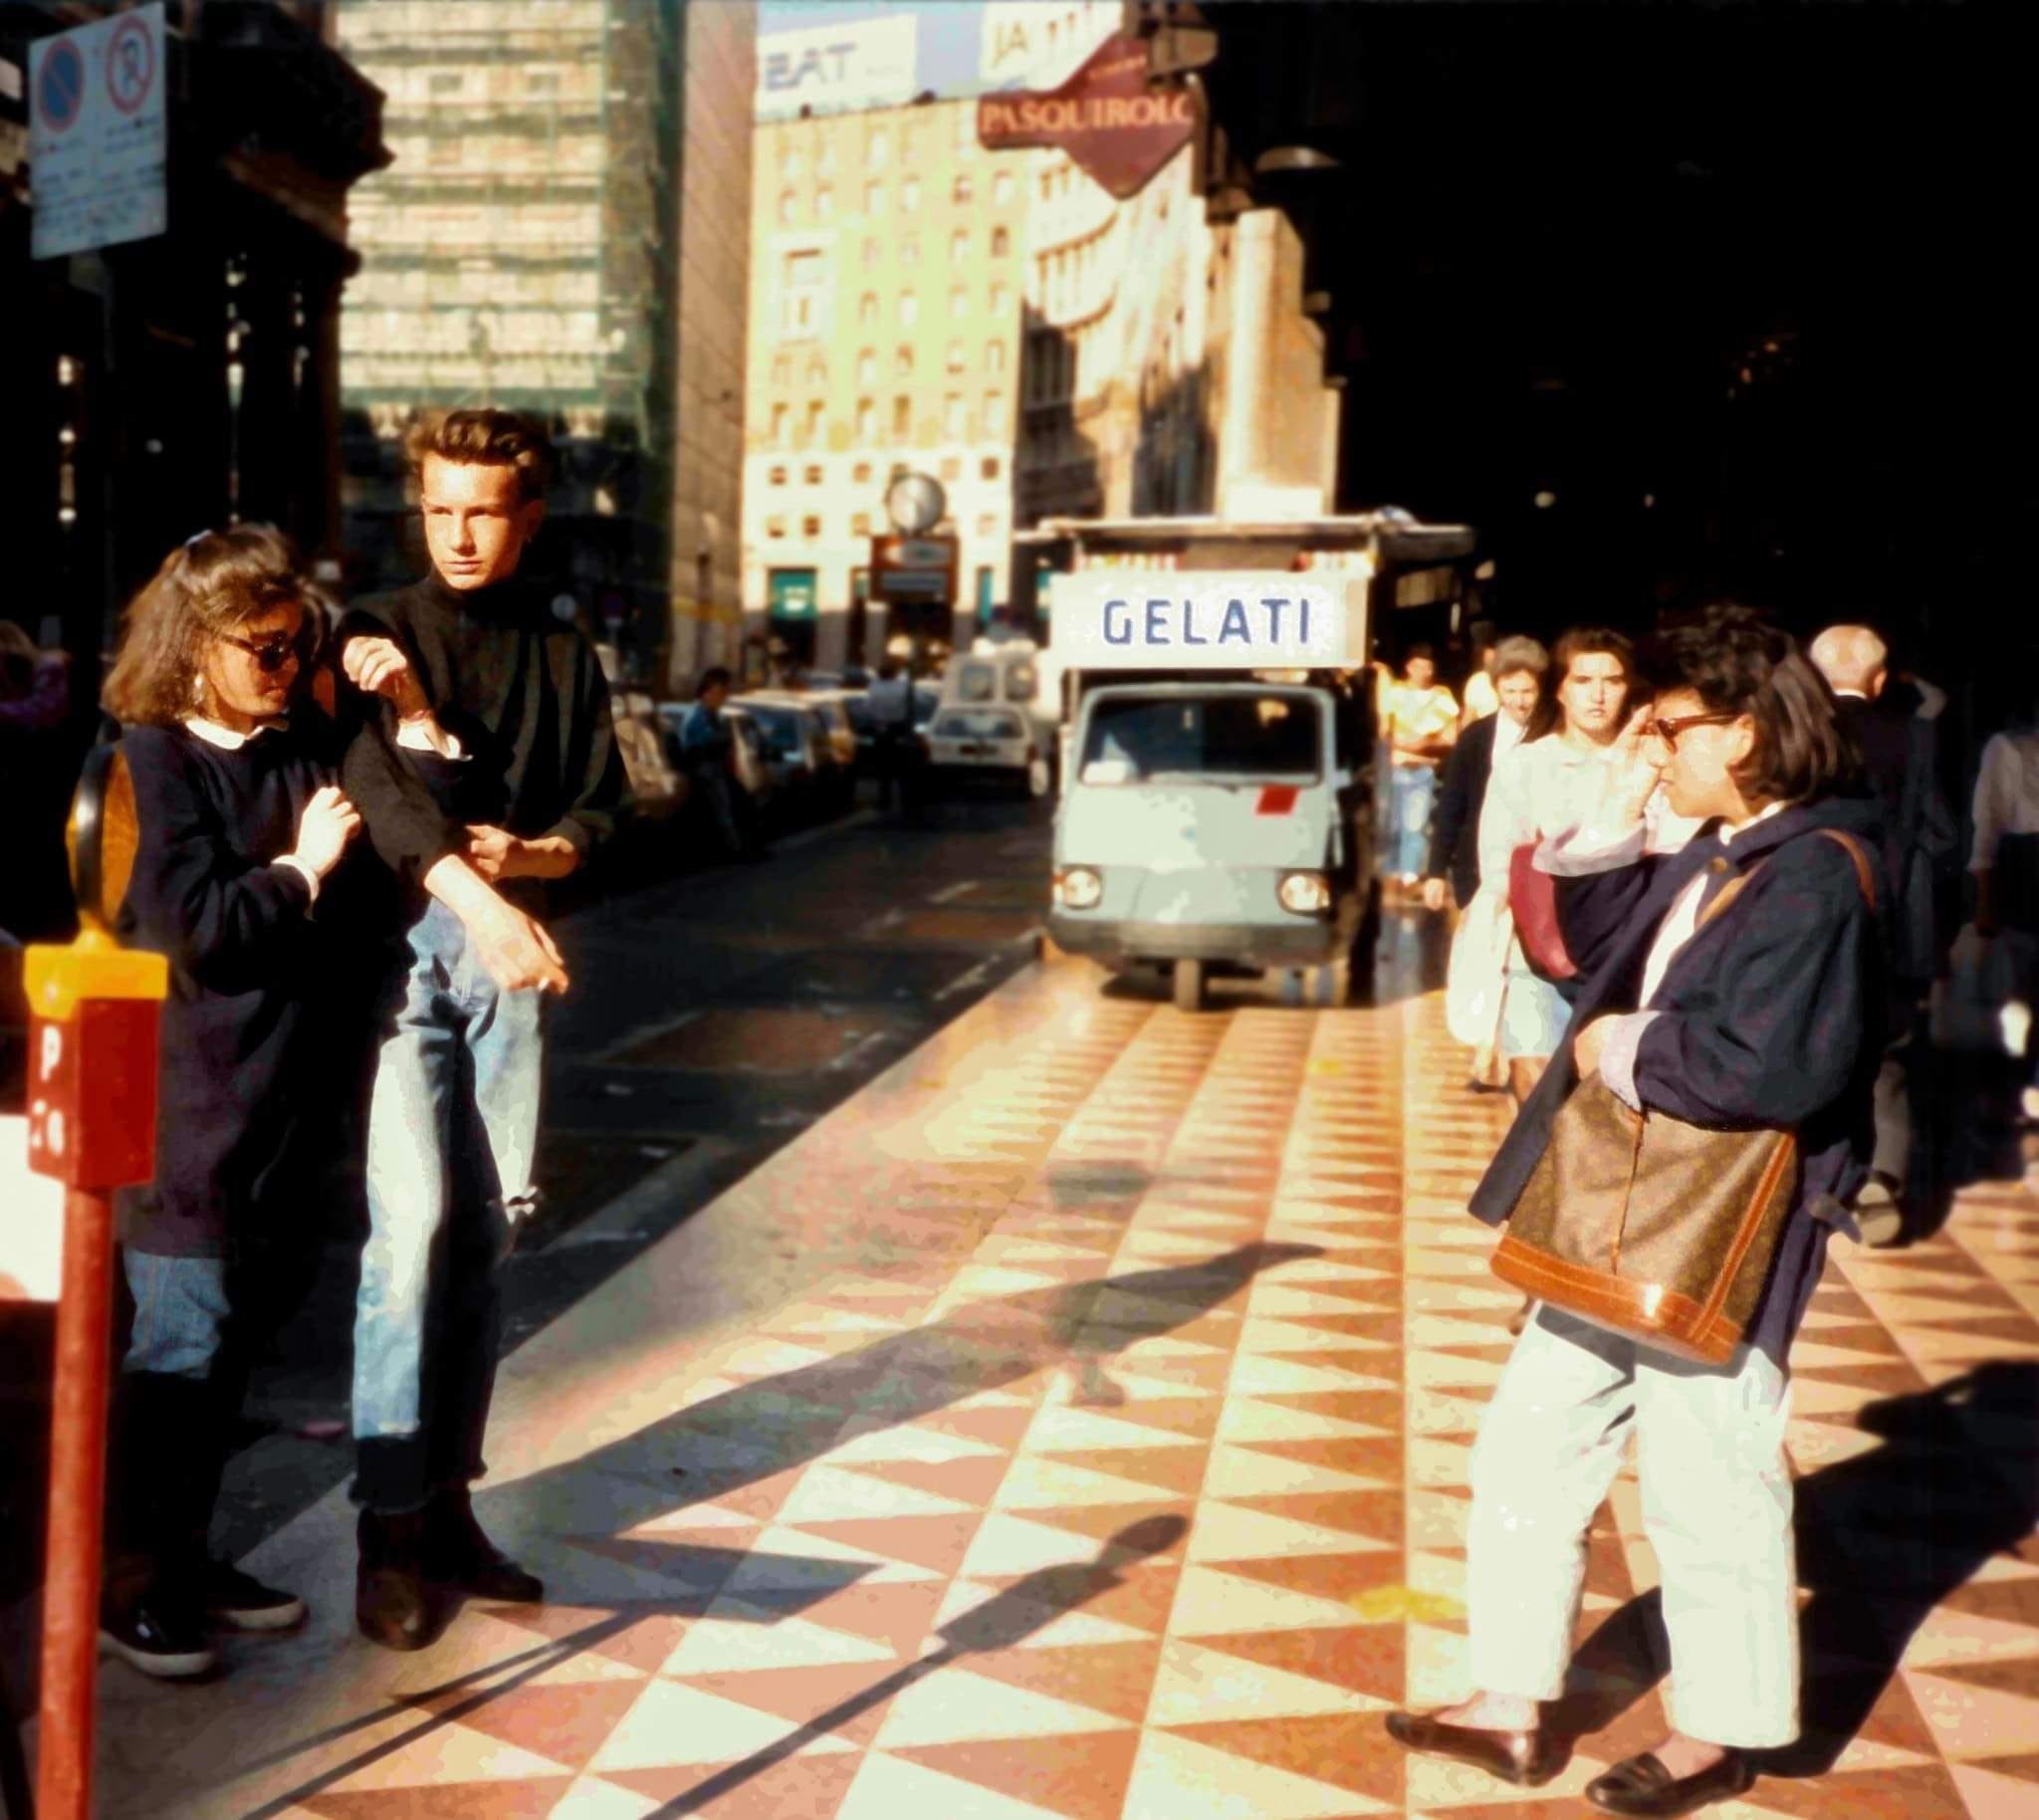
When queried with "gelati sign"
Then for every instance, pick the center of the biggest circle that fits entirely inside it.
(1211, 620)
(1120, 132)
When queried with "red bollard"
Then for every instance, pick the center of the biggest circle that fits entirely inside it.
(91, 1125)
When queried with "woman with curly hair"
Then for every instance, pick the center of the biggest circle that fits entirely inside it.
(241, 828)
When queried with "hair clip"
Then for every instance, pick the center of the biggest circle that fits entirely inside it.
(197, 538)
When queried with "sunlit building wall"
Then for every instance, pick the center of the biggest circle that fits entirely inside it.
(887, 272)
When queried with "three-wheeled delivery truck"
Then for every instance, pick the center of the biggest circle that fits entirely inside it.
(1217, 812)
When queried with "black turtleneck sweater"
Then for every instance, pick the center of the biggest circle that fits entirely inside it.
(523, 694)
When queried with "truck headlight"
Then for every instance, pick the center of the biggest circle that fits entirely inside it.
(1078, 888)
(1305, 893)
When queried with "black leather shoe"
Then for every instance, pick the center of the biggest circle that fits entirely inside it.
(1526, 1758)
(460, 1556)
(1643, 1789)
(393, 1603)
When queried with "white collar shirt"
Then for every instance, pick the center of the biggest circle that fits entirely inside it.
(1682, 921)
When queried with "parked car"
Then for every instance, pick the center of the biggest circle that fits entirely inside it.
(807, 777)
(832, 705)
(968, 743)
(657, 788)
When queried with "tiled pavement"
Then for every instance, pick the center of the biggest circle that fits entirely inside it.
(1136, 1485)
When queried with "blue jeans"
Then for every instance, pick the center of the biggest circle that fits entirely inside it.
(1414, 789)
(180, 1314)
(452, 1138)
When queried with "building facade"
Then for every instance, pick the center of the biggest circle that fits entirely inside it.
(557, 234)
(887, 275)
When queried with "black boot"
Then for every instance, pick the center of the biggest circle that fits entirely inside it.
(150, 1613)
(393, 1601)
(459, 1556)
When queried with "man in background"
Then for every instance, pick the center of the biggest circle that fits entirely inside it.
(1901, 759)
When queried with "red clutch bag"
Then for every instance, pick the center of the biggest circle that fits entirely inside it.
(1532, 902)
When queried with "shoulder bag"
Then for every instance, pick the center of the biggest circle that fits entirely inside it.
(1533, 901)
(1651, 1226)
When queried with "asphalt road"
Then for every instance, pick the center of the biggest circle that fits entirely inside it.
(714, 1014)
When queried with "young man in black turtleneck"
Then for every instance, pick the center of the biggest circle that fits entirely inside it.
(486, 765)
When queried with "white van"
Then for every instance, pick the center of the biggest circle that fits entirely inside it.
(1215, 820)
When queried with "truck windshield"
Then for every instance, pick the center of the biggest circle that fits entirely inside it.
(1135, 739)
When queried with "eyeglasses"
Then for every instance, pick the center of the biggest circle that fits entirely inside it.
(1667, 731)
(273, 653)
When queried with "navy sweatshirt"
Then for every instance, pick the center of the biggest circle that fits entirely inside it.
(523, 694)
(239, 1096)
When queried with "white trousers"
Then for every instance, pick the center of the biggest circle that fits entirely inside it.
(1717, 1507)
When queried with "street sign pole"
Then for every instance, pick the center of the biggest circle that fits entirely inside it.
(94, 1010)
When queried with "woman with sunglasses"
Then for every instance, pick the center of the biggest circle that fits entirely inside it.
(241, 829)
(1765, 1015)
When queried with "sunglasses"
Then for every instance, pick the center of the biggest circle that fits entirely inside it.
(273, 653)
(1667, 731)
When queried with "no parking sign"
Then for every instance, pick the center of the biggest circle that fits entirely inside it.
(98, 134)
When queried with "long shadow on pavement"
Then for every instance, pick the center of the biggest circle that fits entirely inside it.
(1002, 1622)
(726, 1442)
(1884, 1539)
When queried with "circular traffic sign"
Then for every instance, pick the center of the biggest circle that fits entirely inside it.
(130, 64)
(59, 89)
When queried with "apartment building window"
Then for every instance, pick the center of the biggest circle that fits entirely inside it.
(909, 144)
(781, 369)
(861, 474)
(956, 357)
(867, 310)
(780, 419)
(1047, 184)
(959, 302)
(825, 202)
(955, 422)
(995, 356)
(1001, 188)
(867, 366)
(789, 161)
(990, 467)
(877, 148)
(866, 428)
(787, 202)
(965, 191)
(994, 413)
(874, 198)
(542, 82)
(811, 474)
(902, 419)
(779, 477)
(909, 195)
(909, 307)
(449, 83)
(951, 468)
(909, 250)
(818, 371)
(860, 524)
(1002, 298)
(810, 430)
(775, 527)
(987, 527)
(447, 151)
(1001, 243)
(801, 295)
(902, 363)
(870, 255)
(810, 527)
(959, 244)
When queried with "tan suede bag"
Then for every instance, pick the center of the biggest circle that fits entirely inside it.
(1653, 1227)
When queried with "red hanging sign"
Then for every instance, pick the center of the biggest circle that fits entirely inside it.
(1119, 130)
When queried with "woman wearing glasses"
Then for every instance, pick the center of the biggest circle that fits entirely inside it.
(1765, 1015)
(241, 827)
